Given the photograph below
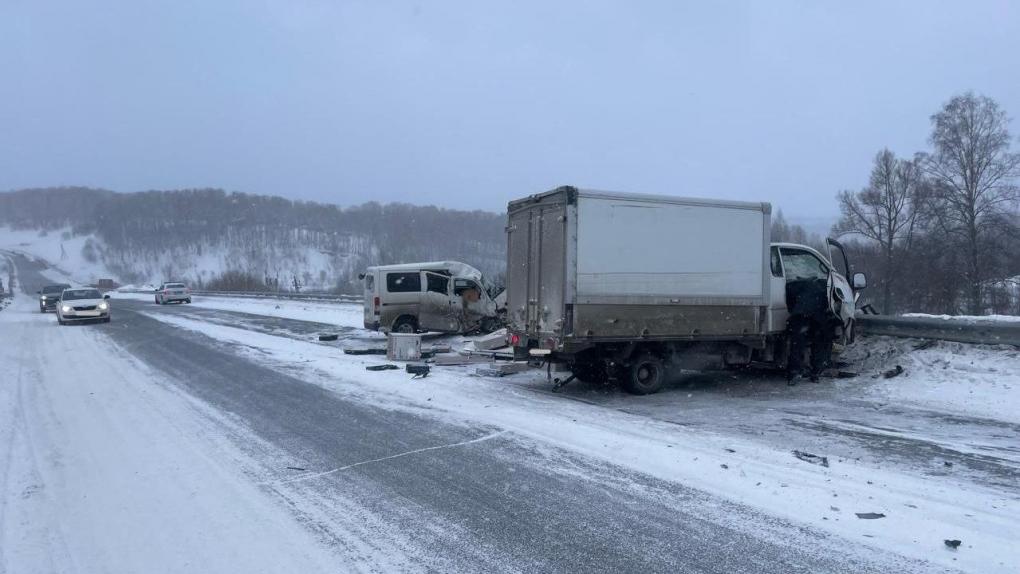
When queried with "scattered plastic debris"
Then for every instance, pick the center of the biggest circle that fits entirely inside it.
(894, 372)
(869, 515)
(954, 544)
(385, 367)
(329, 337)
(812, 458)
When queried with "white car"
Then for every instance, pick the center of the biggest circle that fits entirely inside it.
(84, 304)
(170, 292)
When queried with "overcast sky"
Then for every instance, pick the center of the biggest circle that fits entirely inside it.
(471, 104)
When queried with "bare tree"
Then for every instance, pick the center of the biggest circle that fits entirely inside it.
(973, 174)
(886, 212)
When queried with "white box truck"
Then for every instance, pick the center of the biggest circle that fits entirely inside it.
(623, 286)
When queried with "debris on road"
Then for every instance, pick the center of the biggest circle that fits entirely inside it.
(954, 544)
(925, 344)
(296, 468)
(492, 341)
(502, 369)
(366, 351)
(812, 458)
(459, 360)
(329, 337)
(384, 367)
(846, 374)
(869, 515)
(403, 346)
(419, 370)
(894, 372)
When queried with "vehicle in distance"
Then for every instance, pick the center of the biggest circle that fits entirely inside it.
(86, 304)
(624, 287)
(50, 295)
(443, 296)
(173, 292)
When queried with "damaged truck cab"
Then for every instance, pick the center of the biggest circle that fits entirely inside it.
(443, 296)
(625, 287)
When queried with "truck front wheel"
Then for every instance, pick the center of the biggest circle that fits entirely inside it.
(645, 375)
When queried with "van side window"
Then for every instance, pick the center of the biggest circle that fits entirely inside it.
(403, 282)
(777, 265)
(437, 283)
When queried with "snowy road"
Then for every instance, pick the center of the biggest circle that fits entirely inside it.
(203, 439)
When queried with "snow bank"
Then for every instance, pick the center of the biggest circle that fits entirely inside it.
(333, 313)
(973, 380)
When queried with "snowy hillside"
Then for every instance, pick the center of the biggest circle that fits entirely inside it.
(213, 239)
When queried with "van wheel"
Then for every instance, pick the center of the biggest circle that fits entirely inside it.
(405, 324)
(645, 375)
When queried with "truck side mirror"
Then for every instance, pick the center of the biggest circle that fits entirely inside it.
(860, 281)
(107, 296)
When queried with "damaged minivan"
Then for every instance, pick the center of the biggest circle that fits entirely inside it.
(443, 296)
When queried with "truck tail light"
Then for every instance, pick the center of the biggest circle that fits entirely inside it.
(515, 339)
(375, 304)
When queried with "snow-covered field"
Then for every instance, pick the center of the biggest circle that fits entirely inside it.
(919, 513)
(60, 249)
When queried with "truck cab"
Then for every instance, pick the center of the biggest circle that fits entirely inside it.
(792, 261)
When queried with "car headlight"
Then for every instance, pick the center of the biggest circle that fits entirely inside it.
(42, 297)
(103, 306)
(66, 309)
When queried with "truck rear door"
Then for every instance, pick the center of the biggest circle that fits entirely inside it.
(536, 281)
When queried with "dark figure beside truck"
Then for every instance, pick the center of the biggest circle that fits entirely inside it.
(810, 328)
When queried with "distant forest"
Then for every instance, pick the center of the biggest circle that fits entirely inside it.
(259, 241)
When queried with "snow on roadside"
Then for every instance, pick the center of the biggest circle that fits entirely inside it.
(334, 313)
(107, 469)
(920, 512)
(973, 380)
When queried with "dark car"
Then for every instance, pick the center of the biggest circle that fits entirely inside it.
(49, 295)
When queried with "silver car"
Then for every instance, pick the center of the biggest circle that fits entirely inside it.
(173, 292)
(85, 304)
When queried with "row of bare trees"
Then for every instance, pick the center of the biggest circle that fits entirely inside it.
(940, 231)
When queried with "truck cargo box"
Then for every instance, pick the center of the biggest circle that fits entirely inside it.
(588, 266)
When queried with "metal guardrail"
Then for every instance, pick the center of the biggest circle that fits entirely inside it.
(337, 297)
(959, 330)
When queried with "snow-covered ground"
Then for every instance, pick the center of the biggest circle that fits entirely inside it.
(341, 314)
(106, 468)
(61, 250)
(919, 512)
(972, 380)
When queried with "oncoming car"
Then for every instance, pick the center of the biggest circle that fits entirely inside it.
(170, 292)
(83, 305)
(50, 295)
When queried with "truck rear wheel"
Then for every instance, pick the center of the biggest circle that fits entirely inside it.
(644, 375)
